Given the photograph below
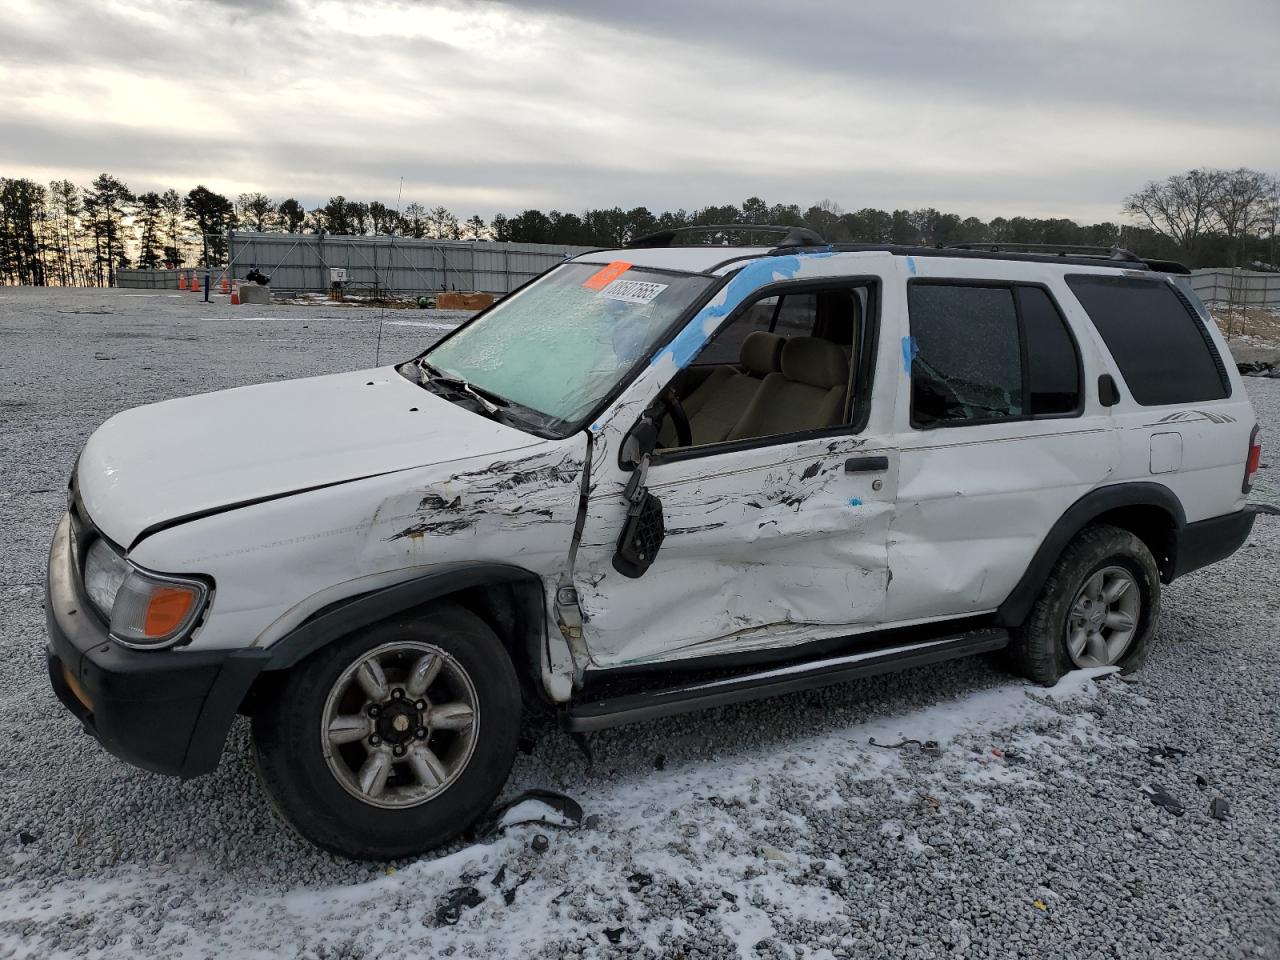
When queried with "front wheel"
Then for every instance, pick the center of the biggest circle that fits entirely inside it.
(393, 740)
(1098, 608)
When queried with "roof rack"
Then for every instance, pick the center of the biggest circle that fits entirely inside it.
(791, 236)
(1033, 252)
(1053, 249)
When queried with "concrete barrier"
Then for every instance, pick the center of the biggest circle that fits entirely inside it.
(254, 293)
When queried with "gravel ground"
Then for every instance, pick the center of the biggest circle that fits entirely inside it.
(771, 830)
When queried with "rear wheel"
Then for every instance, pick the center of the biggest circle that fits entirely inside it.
(393, 740)
(1098, 608)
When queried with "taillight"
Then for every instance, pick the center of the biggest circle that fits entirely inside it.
(1254, 461)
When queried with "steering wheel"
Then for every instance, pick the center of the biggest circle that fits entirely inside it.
(679, 419)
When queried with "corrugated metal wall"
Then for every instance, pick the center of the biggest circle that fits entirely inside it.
(301, 262)
(392, 264)
(1248, 288)
(396, 265)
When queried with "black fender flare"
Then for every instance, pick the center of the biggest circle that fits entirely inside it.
(1075, 518)
(346, 616)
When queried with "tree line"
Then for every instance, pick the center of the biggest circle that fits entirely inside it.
(65, 234)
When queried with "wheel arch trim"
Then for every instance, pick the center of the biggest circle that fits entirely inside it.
(1075, 518)
(353, 613)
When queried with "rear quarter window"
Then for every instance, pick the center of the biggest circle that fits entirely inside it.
(1158, 341)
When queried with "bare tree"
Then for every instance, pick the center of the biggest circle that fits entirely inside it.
(1180, 208)
(1272, 220)
(1239, 204)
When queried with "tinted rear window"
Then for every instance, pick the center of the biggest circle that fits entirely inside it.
(1160, 344)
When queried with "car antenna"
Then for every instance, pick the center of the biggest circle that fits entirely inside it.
(377, 351)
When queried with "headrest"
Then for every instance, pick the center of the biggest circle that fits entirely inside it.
(819, 363)
(762, 353)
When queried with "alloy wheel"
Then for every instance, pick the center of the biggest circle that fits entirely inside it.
(1104, 617)
(400, 724)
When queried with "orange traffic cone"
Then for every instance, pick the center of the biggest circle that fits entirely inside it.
(195, 283)
(235, 294)
(224, 283)
(182, 281)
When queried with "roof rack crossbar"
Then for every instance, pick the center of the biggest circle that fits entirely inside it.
(791, 236)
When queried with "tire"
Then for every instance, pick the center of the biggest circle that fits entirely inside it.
(1041, 650)
(312, 778)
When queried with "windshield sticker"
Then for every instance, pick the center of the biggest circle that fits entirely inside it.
(605, 276)
(633, 291)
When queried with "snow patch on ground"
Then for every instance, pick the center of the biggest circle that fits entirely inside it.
(685, 826)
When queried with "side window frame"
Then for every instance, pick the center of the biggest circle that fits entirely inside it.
(857, 411)
(1012, 286)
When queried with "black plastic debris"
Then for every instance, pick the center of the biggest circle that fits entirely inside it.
(896, 746)
(509, 895)
(455, 902)
(540, 843)
(732, 898)
(1201, 780)
(614, 934)
(25, 838)
(561, 813)
(560, 896)
(1163, 798)
(638, 881)
(1219, 809)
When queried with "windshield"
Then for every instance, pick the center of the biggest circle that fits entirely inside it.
(563, 343)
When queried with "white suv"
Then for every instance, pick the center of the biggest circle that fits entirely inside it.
(651, 480)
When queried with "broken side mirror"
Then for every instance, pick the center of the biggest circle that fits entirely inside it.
(641, 440)
(644, 528)
(642, 535)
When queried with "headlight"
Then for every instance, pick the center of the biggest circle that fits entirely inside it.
(144, 609)
(104, 573)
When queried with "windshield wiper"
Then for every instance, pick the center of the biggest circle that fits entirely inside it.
(492, 404)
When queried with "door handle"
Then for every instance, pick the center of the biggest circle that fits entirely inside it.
(866, 464)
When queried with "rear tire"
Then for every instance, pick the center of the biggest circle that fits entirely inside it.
(1099, 607)
(434, 754)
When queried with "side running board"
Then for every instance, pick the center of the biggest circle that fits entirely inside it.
(650, 704)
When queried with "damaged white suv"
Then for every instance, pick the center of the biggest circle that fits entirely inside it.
(651, 480)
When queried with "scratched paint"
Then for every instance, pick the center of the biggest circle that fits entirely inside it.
(294, 555)
(760, 549)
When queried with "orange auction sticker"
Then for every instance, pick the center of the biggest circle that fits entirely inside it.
(605, 276)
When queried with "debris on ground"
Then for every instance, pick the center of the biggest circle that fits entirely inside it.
(1163, 798)
(456, 901)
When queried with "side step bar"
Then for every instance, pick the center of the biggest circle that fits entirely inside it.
(651, 704)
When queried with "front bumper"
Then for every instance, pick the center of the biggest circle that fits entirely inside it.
(163, 710)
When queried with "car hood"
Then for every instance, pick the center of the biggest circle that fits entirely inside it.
(198, 455)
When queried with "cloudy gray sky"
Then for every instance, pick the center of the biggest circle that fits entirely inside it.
(980, 107)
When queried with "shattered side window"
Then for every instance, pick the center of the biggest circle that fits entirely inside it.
(966, 361)
(563, 343)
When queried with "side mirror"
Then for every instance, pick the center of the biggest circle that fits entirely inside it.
(640, 441)
(641, 536)
(644, 529)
